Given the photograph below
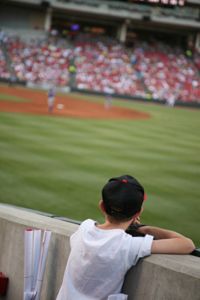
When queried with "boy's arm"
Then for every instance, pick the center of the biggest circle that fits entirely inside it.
(168, 241)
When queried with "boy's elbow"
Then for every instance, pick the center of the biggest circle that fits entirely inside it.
(189, 246)
(192, 246)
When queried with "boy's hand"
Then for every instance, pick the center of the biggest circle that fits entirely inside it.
(133, 228)
(137, 221)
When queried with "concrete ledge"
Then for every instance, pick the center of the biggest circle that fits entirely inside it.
(158, 277)
(164, 277)
(27, 218)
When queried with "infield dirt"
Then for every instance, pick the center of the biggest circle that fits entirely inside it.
(71, 106)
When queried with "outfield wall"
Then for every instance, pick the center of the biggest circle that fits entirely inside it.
(167, 277)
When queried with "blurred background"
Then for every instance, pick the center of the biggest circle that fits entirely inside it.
(145, 56)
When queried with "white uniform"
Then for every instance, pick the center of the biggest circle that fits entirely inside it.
(99, 260)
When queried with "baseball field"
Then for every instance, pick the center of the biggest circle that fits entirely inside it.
(58, 163)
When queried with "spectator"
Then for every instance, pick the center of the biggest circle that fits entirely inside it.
(101, 254)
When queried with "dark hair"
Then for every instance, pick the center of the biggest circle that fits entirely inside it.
(122, 197)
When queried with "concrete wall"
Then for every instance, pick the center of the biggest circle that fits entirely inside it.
(13, 222)
(158, 277)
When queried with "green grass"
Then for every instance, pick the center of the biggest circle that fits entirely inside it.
(59, 165)
(7, 97)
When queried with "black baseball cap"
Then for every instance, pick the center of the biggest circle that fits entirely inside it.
(123, 197)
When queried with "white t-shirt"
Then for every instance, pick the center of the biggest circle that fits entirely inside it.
(99, 260)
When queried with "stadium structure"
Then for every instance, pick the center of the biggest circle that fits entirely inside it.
(143, 49)
(148, 50)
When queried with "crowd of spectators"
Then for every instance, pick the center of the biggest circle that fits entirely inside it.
(152, 69)
(149, 69)
(105, 66)
(167, 72)
(39, 61)
(4, 72)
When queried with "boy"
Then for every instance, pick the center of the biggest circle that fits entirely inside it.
(101, 254)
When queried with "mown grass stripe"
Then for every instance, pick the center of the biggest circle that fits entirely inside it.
(12, 98)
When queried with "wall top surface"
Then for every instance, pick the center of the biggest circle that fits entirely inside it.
(36, 220)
